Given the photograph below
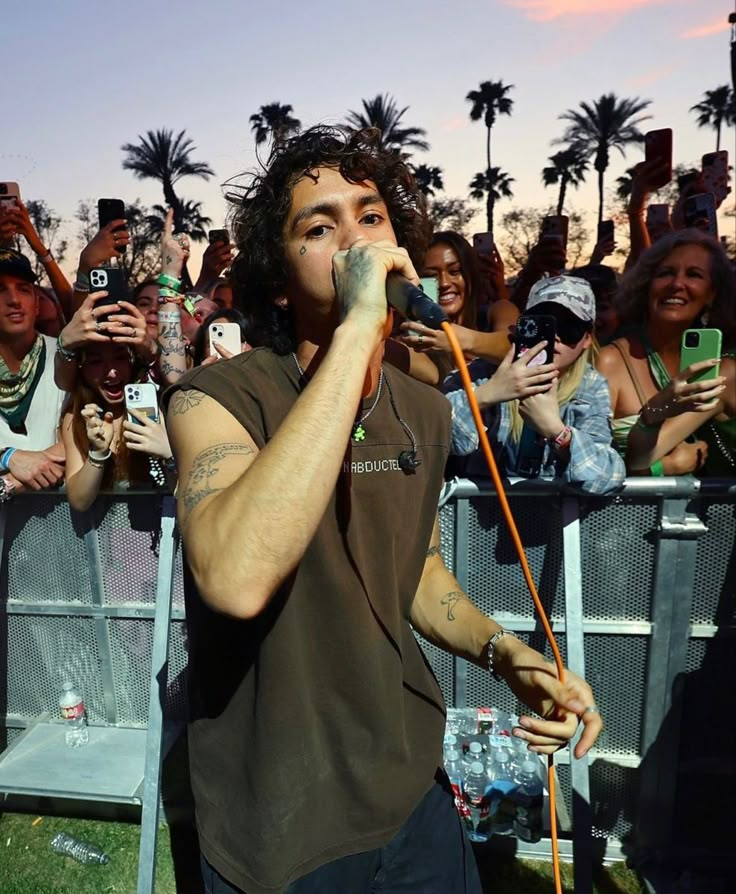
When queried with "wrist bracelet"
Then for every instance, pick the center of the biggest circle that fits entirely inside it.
(564, 437)
(46, 258)
(80, 286)
(66, 353)
(499, 634)
(5, 458)
(98, 457)
(170, 316)
(656, 470)
(170, 282)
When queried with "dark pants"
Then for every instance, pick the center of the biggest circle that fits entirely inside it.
(428, 855)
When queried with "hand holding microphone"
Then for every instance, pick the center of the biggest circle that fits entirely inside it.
(370, 273)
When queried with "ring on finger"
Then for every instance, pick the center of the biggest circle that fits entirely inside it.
(592, 709)
(98, 325)
(420, 337)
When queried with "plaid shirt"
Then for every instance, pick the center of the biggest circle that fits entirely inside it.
(591, 462)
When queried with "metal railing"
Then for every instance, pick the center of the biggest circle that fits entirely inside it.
(640, 589)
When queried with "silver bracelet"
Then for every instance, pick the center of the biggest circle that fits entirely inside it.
(170, 316)
(97, 458)
(499, 634)
(46, 258)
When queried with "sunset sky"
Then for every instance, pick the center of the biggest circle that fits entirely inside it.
(83, 80)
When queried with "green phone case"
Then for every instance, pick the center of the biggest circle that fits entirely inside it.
(707, 347)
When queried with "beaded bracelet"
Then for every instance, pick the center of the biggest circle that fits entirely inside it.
(66, 353)
(170, 282)
(499, 634)
(80, 287)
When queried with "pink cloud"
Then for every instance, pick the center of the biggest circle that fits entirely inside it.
(546, 10)
(639, 82)
(707, 30)
(454, 124)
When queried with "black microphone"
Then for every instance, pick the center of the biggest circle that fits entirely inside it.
(412, 302)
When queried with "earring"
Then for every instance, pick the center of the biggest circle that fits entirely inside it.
(705, 316)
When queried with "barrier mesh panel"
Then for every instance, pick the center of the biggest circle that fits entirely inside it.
(616, 668)
(43, 652)
(42, 562)
(176, 692)
(614, 790)
(128, 536)
(447, 534)
(443, 666)
(495, 580)
(618, 554)
(713, 587)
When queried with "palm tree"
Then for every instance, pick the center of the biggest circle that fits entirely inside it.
(715, 110)
(382, 113)
(491, 185)
(567, 167)
(487, 102)
(428, 178)
(606, 123)
(164, 157)
(273, 121)
(193, 222)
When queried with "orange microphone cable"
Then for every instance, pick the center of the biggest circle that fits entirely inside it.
(498, 484)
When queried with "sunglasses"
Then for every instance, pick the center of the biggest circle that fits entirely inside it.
(569, 328)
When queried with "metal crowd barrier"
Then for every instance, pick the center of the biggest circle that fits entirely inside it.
(639, 587)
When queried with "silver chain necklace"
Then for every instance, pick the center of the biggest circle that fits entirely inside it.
(358, 432)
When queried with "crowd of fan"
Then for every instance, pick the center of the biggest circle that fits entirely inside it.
(613, 401)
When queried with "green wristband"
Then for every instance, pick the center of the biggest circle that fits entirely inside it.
(170, 282)
(656, 470)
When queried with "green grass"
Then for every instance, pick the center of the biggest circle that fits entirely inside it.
(29, 866)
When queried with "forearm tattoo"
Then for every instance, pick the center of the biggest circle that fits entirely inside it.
(205, 467)
(451, 600)
(433, 551)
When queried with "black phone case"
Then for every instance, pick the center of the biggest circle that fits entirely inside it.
(530, 330)
(110, 280)
(109, 210)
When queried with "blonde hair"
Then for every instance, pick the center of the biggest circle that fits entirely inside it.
(567, 385)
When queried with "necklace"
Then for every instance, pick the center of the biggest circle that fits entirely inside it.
(358, 432)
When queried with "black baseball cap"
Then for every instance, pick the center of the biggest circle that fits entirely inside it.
(15, 264)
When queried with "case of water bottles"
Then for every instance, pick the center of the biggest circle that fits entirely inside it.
(499, 785)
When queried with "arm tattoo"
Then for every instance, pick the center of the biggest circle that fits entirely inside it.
(185, 400)
(433, 551)
(206, 466)
(451, 600)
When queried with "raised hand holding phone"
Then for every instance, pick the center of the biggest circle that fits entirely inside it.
(143, 434)
(174, 248)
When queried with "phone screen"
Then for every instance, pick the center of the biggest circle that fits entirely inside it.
(430, 285)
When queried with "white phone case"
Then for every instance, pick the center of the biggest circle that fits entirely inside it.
(143, 398)
(226, 334)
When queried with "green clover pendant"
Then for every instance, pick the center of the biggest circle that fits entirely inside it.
(358, 433)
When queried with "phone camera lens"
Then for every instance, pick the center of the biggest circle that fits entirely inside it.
(692, 339)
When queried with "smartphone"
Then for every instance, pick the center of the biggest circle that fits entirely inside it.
(657, 221)
(554, 226)
(227, 335)
(701, 344)
(112, 281)
(530, 330)
(143, 398)
(530, 454)
(699, 212)
(483, 243)
(218, 236)
(715, 174)
(606, 231)
(9, 192)
(430, 285)
(684, 180)
(658, 148)
(109, 210)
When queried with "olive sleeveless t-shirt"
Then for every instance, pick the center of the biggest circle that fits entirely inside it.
(316, 728)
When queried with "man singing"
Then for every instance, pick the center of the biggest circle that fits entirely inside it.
(309, 478)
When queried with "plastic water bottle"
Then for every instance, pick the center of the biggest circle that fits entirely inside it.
(81, 851)
(74, 714)
(449, 744)
(473, 754)
(456, 774)
(529, 802)
(478, 801)
(503, 783)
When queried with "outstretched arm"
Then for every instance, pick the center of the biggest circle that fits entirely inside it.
(445, 616)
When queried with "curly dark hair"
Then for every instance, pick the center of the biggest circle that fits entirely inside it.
(259, 273)
(632, 298)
